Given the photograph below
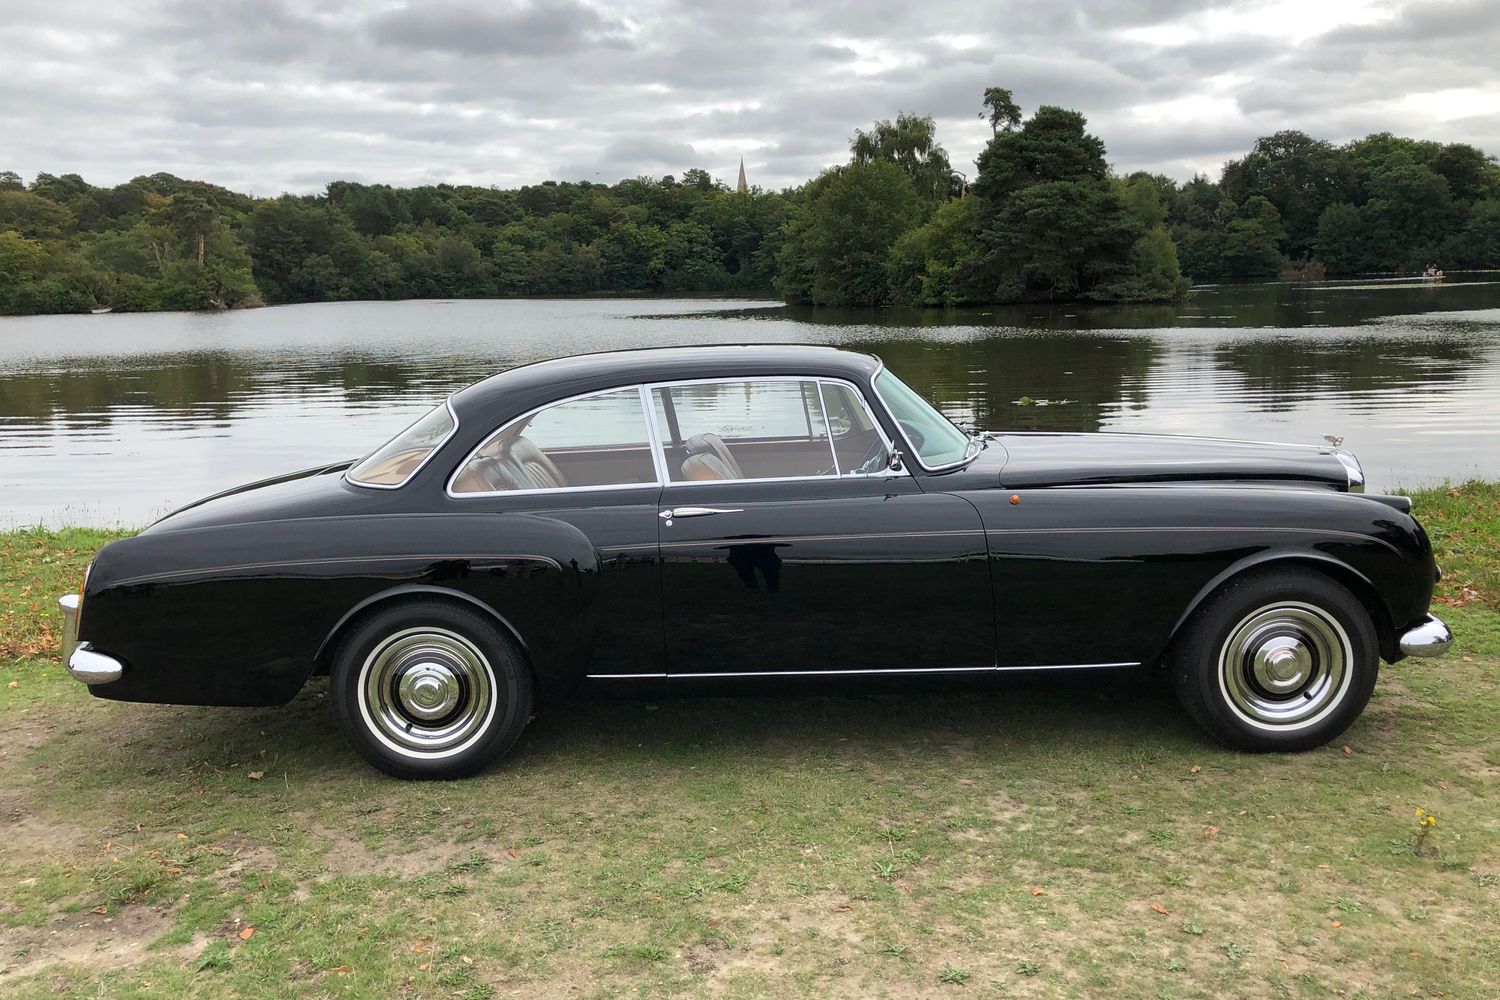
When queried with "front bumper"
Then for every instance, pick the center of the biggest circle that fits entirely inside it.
(85, 664)
(1430, 637)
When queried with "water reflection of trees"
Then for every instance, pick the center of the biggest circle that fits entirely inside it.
(1278, 373)
(198, 388)
(1071, 379)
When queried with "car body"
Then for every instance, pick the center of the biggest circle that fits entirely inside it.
(573, 519)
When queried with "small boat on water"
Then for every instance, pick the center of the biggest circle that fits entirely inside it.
(101, 310)
(1432, 273)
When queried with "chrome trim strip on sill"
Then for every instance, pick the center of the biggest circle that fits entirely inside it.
(868, 671)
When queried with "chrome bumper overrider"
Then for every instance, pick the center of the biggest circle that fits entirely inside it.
(82, 662)
(1430, 638)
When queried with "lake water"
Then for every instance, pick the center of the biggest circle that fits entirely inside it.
(119, 418)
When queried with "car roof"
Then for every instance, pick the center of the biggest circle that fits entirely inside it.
(533, 385)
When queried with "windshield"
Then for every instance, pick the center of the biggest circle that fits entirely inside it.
(937, 442)
(395, 461)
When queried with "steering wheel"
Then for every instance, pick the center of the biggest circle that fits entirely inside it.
(913, 434)
(876, 458)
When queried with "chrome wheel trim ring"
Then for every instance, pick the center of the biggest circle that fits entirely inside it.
(427, 693)
(1285, 666)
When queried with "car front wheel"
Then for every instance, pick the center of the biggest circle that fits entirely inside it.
(1277, 660)
(430, 690)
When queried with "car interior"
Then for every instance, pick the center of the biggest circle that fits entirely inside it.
(519, 459)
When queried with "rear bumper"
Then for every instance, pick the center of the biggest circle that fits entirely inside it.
(1430, 637)
(85, 664)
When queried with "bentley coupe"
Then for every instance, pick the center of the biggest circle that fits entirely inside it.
(679, 520)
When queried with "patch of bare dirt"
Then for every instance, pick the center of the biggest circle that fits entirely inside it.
(348, 855)
(92, 942)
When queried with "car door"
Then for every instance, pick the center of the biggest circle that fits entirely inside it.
(789, 546)
(585, 463)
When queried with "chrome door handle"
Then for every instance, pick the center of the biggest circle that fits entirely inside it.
(667, 515)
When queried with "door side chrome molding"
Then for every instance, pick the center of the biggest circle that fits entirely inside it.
(871, 671)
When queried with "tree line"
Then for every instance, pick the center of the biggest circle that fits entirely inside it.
(1043, 217)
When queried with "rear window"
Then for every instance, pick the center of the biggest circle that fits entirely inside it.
(395, 461)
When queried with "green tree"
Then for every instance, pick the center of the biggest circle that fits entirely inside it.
(1053, 145)
(1054, 224)
(938, 263)
(1001, 109)
(1252, 240)
(842, 238)
(910, 142)
(1340, 243)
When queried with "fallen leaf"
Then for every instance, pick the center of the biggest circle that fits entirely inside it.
(1194, 769)
(256, 775)
(182, 836)
(1159, 908)
(247, 933)
(1210, 833)
(424, 966)
(101, 909)
(342, 970)
(844, 906)
(1037, 890)
(419, 949)
(13, 685)
(1348, 752)
(513, 852)
(1338, 923)
(469, 961)
(1443, 785)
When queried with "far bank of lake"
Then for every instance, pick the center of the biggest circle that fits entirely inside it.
(118, 418)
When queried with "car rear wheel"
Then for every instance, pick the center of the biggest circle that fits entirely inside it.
(430, 690)
(1277, 660)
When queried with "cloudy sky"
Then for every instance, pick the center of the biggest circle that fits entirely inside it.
(278, 95)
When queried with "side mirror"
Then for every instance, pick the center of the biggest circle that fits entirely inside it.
(895, 462)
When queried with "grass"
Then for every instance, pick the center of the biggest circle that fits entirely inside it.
(1047, 840)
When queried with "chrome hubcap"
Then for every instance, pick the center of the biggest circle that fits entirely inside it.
(427, 692)
(1285, 666)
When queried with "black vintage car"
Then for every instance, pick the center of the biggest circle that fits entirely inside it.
(667, 520)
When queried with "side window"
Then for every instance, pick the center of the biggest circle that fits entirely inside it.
(856, 440)
(394, 462)
(599, 440)
(749, 429)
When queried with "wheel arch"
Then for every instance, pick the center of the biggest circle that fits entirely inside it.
(1357, 583)
(410, 592)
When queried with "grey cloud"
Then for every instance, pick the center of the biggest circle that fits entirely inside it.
(286, 94)
(525, 28)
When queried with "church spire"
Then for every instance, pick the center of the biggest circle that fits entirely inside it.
(742, 188)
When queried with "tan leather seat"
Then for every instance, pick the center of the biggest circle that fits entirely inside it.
(705, 468)
(709, 458)
(518, 465)
(539, 470)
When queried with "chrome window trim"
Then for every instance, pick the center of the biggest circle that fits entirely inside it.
(915, 455)
(820, 380)
(437, 447)
(653, 436)
(828, 429)
(656, 465)
(658, 449)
